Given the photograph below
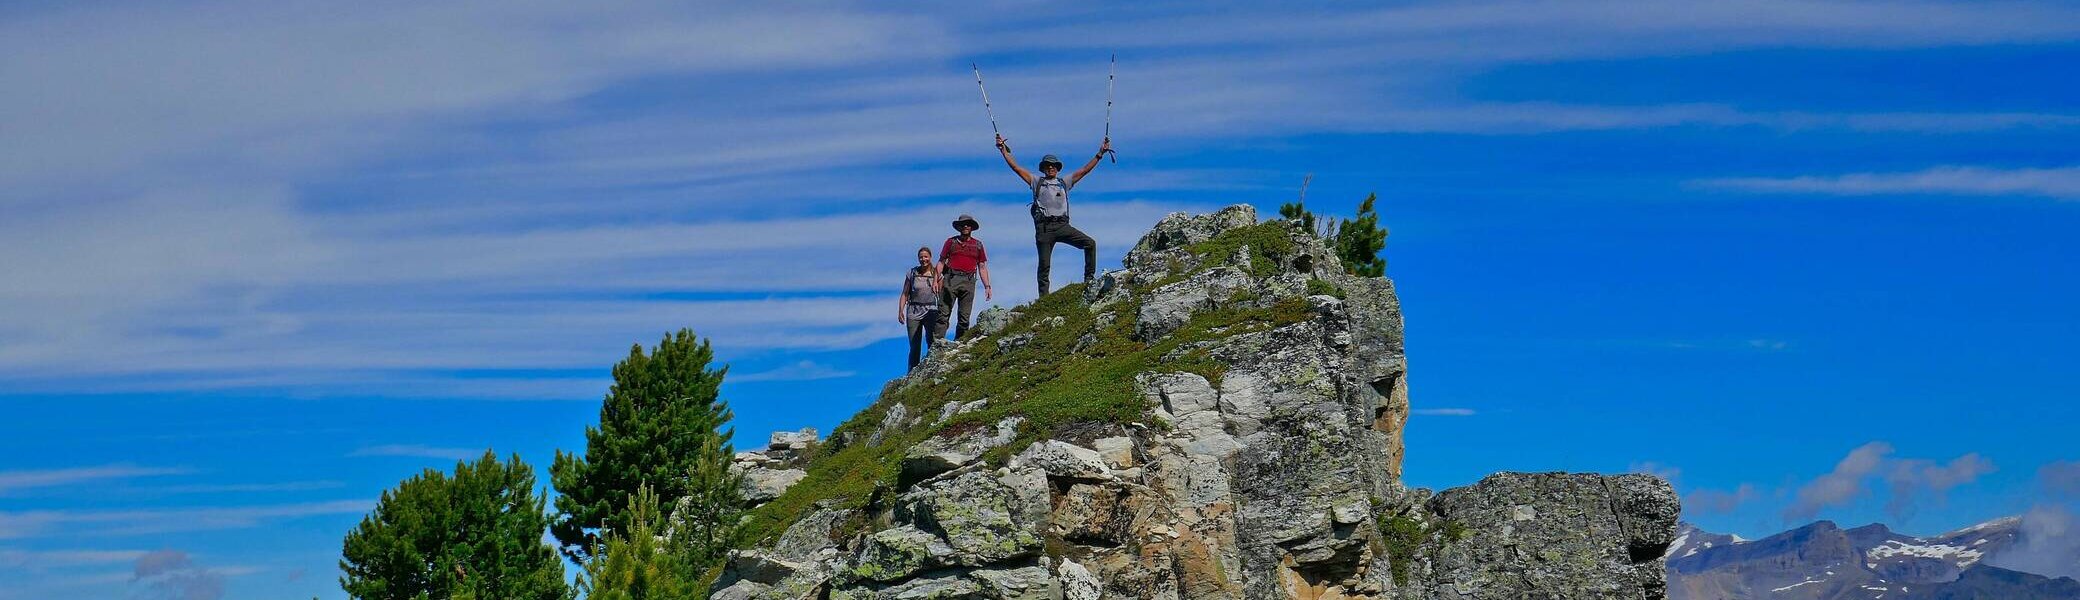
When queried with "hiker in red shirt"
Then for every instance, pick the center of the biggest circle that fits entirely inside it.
(961, 260)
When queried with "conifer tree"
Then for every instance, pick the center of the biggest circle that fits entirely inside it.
(1356, 242)
(703, 522)
(477, 534)
(660, 425)
(637, 564)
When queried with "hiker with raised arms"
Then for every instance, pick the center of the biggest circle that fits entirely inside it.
(918, 307)
(962, 260)
(1050, 208)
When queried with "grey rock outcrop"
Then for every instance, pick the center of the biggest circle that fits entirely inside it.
(1257, 454)
(1595, 536)
(769, 471)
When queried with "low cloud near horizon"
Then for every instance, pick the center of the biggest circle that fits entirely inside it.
(1907, 481)
(169, 574)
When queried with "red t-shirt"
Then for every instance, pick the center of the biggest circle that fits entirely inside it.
(963, 256)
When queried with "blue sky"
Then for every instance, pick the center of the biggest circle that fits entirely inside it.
(266, 259)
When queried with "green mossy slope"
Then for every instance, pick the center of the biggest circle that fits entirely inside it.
(1075, 366)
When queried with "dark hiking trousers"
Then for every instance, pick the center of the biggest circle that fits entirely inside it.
(959, 293)
(1048, 231)
(921, 332)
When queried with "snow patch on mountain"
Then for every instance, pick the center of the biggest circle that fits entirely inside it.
(1964, 557)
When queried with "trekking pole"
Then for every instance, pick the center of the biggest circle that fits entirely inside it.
(1109, 72)
(985, 101)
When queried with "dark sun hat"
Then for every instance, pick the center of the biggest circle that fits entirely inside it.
(1050, 159)
(968, 219)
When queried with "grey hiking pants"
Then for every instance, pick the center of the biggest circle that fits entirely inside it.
(921, 330)
(1048, 231)
(958, 293)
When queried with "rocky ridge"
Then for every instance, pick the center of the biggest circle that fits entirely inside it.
(1220, 419)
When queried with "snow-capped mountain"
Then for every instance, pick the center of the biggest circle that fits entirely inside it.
(1822, 561)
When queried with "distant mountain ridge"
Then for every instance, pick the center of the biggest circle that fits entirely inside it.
(1822, 561)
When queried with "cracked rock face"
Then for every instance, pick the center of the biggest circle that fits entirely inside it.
(1269, 470)
(1598, 537)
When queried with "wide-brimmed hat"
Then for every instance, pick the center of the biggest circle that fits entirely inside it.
(966, 218)
(1050, 159)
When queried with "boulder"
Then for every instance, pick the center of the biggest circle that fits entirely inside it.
(983, 517)
(895, 554)
(792, 440)
(1061, 459)
(1576, 535)
(761, 485)
(992, 320)
(945, 453)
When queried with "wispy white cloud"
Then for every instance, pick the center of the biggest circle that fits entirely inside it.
(13, 481)
(1443, 412)
(377, 315)
(37, 560)
(805, 370)
(1768, 345)
(274, 85)
(105, 523)
(1576, 29)
(2061, 183)
(541, 179)
(417, 451)
(246, 488)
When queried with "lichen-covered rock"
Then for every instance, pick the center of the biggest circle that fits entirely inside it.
(1169, 306)
(803, 559)
(1062, 459)
(1078, 583)
(1573, 535)
(992, 320)
(984, 517)
(1023, 583)
(1235, 406)
(1163, 248)
(944, 453)
(895, 554)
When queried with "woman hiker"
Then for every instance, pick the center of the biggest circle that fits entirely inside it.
(962, 259)
(918, 308)
(1051, 209)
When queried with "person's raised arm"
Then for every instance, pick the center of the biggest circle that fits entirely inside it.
(1004, 147)
(1103, 147)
